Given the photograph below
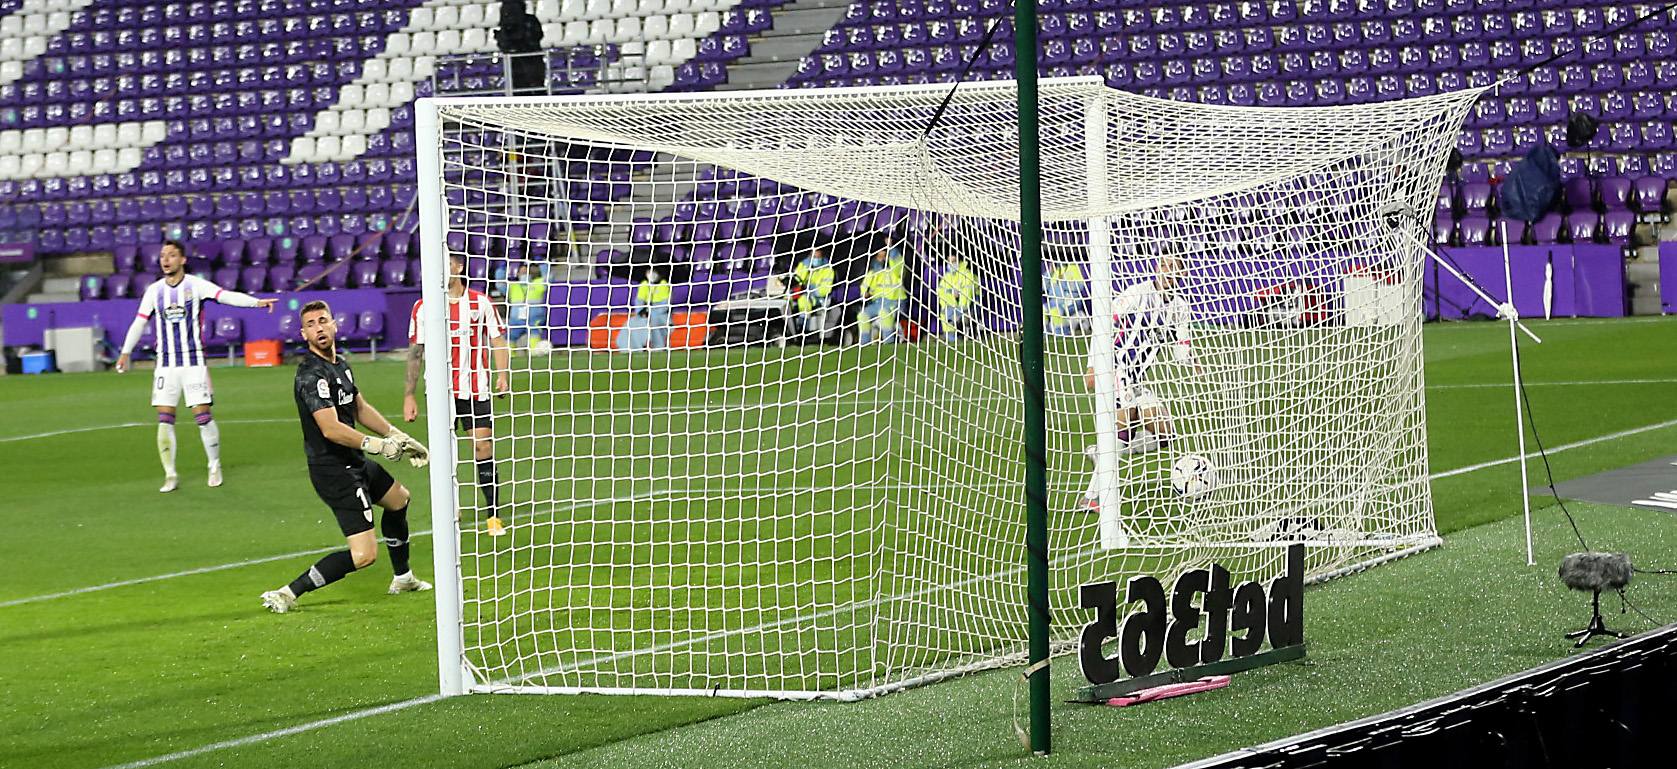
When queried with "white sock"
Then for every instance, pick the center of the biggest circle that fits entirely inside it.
(166, 447)
(210, 434)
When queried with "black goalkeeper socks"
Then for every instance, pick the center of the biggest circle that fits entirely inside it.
(486, 482)
(329, 569)
(394, 525)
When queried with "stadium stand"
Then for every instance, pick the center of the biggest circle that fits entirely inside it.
(274, 135)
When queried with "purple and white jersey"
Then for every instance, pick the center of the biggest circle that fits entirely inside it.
(176, 314)
(1145, 321)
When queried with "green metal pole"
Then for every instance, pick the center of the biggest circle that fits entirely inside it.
(1030, 361)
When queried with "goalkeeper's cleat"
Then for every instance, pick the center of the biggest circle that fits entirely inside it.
(408, 583)
(215, 476)
(279, 601)
(496, 528)
(170, 483)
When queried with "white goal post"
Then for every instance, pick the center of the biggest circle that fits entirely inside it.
(717, 489)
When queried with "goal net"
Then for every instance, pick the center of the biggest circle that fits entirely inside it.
(712, 486)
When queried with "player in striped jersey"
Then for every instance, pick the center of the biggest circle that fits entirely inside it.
(474, 337)
(173, 306)
(1149, 317)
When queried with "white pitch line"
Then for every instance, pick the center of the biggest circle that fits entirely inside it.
(395, 706)
(121, 425)
(282, 556)
(1573, 383)
(286, 732)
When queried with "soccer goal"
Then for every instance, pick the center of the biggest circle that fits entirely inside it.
(717, 489)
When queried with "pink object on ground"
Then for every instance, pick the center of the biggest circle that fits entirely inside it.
(1169, 690)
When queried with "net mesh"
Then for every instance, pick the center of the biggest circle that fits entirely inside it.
(765, 506)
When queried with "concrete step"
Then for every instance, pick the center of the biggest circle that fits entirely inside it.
(47, 297)
(79, 264)
(783, 48)
(804, 20)
(60, 285)
(756, 76)
(1643, 279)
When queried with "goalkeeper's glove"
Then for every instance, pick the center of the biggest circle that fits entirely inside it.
(415, 451)
(388, 448)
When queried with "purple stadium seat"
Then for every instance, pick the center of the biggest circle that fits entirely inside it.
(288, 329)
(371, 324)
(339, 247)
(369, 245)
(253, 279)
(312, 250)
(1579, 194)
(1475, 231)
(1515, 228)
(126, 257)
(347, 329)
(1614, 192)
(228, 331)
(259, 251)
(1547, 229)
(282, 277)
(1618, 225)
(365, 272)
(1443, 228)
(1476, 197)
(92, 287)
(1583, 226)
(285, 250)
(226, 277)
(338, 278)
(1648, 194)
(395, 272)
(119, 286)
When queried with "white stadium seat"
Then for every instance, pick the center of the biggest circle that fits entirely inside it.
(424, 42)
(448, 41)
(81, 137)
(491, 15)
(683, 50)
(597, 9)
(128, 159)
(378, 119)
(623, 9)
(302, 149)
(632, 49)
(106, 161)
(628, 29)
(476, 40)
(661, 77)
(354, 146)
(34, 24)
(11, 71)
(656, 27)
(326, 123)
(11, 48)
(11, 25)
(34, 140)
(446, 17)
(677, 6)
(397, 44)
(707, 24)
(80, 163)
(351, 98)
(34, 47)
(658, 52)
(647, 8)
(375, 70)
(422, 18)
(30, 165)
(401, 93)
(546, 11)
(471, 17)
(709, 5)
(327, 148)
(576, 33)
(9, 167)
(378, 95)
(56, 138)
(57, 22)
(600, 32)
(681, 25)
(154, 131)
(105, 136)
(55, 164)
(11, 142)
(423, 67)
(353, 122)
(572, 10)
(130, 135)
(400, 69)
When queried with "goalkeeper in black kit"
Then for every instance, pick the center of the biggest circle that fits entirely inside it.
(350, 483)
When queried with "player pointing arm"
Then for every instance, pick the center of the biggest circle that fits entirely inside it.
(173, 305)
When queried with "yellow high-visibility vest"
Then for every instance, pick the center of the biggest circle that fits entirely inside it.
(885, 282)
(816, 280)
(654, 293)
(530, 291)
(958, 287)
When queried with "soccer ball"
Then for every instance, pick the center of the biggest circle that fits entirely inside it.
(1192, 476)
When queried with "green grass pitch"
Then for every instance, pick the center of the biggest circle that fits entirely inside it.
(129, 629)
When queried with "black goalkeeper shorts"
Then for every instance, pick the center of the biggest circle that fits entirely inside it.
(351, 492)
(471, 412)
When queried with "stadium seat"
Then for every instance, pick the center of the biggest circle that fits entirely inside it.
(228, 331)
(347, 327)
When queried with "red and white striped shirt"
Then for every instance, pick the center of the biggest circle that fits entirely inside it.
(472, 322)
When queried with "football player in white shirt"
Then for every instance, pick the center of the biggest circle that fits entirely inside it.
(474, 332)
(173, 305)
(1148, 318)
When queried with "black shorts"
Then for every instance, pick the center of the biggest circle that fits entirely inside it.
(471, 412)
(351, 492)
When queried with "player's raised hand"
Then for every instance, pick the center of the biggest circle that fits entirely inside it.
(267, 304)
(410, 408)
(501, 385)
(122, 364)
